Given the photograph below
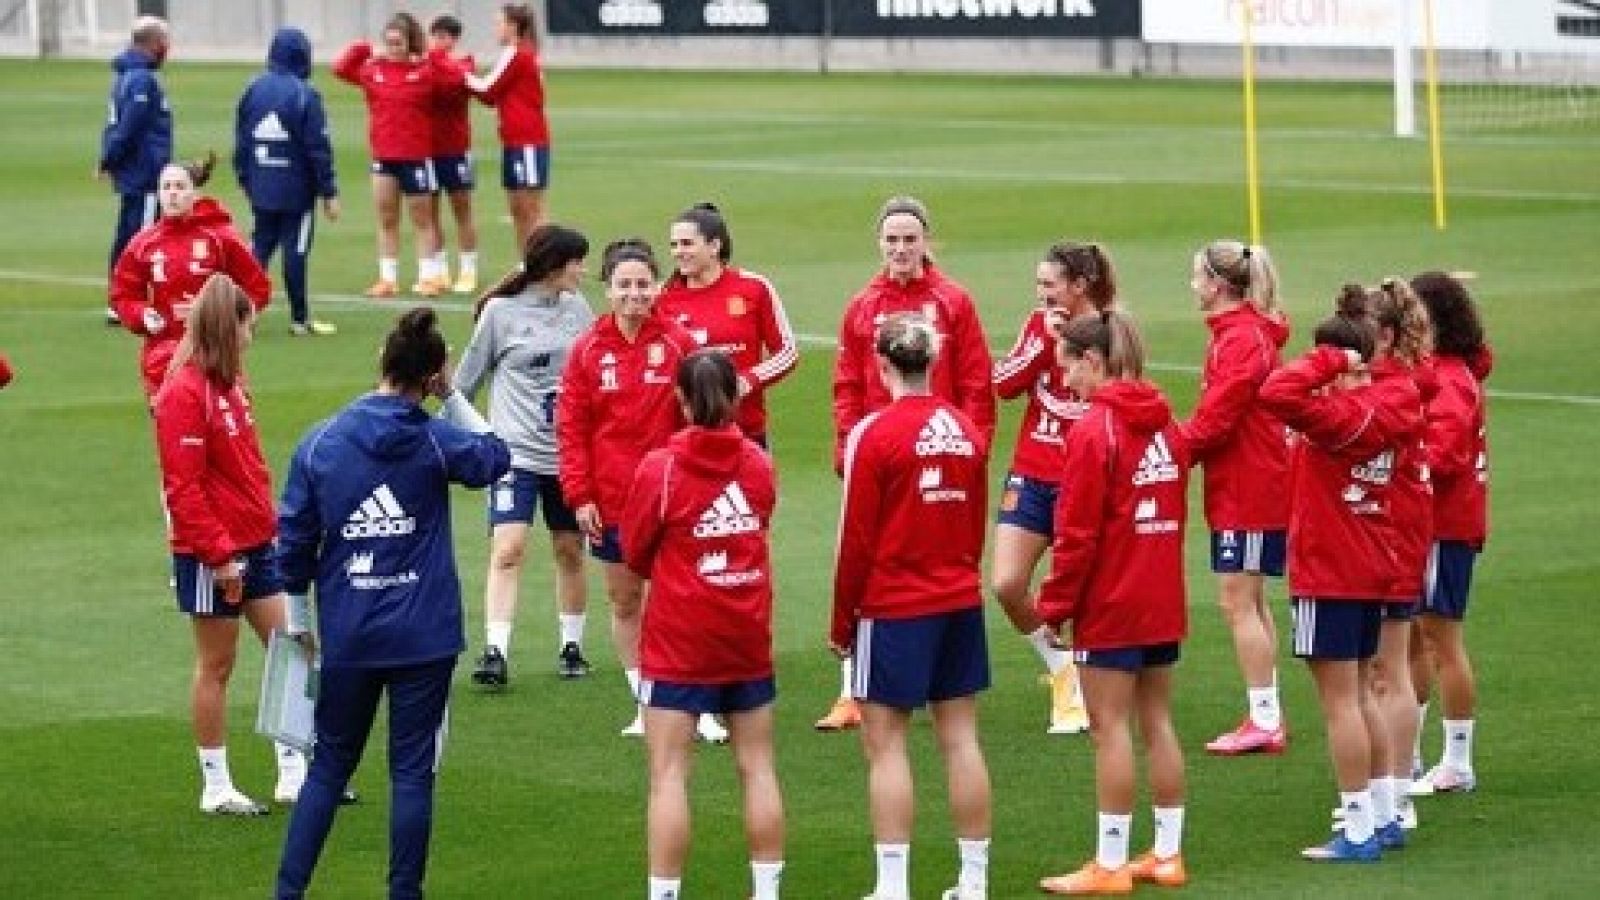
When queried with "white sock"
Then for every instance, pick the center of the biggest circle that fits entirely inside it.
(1458, 744)
(847, 671)
(1382, 791)
(572, 628)
(425, 269)
(633, 681)
(1416, 745)
(468, 262)
(499, 636)
(1357, 806)
(1264, 709)
(894, 865)
(765, 877)
(290, 760)
(665, 888)
(441, 262)
(1052, 656)
(388, 269)
(214, 768)
(1111, 850)
(1169, 831)
(974, 863)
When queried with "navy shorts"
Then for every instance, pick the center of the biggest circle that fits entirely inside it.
(1130, 659)
(415, 175)
(1402, 611)
(515, 497)
(525, 168)
(199, 595)
(1029, 504)
(729, 697)
(609, 547)
(1336, 629)
(453, 174)
(1254, 552)
(907, 663)
(1448, 580)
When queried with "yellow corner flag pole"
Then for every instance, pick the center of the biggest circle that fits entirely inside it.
(1252, 163)
(1435, 136)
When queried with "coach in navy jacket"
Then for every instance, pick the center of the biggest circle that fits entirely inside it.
(284, 163)
(137, 140)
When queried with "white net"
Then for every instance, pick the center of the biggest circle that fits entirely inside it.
(1507, 90)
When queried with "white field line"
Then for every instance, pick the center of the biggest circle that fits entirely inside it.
(820, 341)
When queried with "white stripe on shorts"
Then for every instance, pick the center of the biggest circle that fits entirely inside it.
(1253, 547)
(1305, 627)
(202, 589)
(647, 687)
(438, 739)
(302, 241)
(861, 665)
(431, 178)
(530, 166)
(1430, 577)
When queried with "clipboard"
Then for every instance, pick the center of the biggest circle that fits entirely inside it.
(287, 712)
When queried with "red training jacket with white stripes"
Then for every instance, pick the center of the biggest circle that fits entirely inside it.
(915, 514)
(1458, 451)
(1031, 368)
(515, 87)
(696, 527)
(400, 99)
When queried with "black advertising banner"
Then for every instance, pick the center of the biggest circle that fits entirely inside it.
(849, 18)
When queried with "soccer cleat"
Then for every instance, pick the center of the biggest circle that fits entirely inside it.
(1341, 850)
(1091, 880)
(466, 282)
(636, 727)
(382, 290)
(571, 664)
(313, 327)
(492, 670)
(708, 729)
(111, 318)
(1168, 872)
(1443, 779)
(845, 715)
(290, 781)
(230, 802)
(1249, 738)
(1067, 715)
(965, 892)
(1392, 836)
(1407, 814)
(427, 287)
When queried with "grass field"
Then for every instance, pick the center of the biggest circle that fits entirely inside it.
(539, 797)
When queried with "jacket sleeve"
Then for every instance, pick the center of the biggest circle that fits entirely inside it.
(479, 355)
(574, 424)
(243, 267)
(508, 72)
(130, 293)
(318, 144)
(241, 140)
(134, 108)
(1335, 422)
(1450, 435)
(642, 525)
(849, 391)
(1017, 372)
(471, 458)
(1079, 522)
(858, 524)
(974, 371)
(783, 352)
(182, 434)
(1236, 375)
(299, 523)
(347, 65)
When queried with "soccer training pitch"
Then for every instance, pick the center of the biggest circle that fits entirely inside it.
(538, 796)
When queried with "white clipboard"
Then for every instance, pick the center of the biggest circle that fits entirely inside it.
(287, 712)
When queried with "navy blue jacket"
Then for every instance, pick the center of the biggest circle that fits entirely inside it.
(366, 515)
(137, 141)
(281, 153)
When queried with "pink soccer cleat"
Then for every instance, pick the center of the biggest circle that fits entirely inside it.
(1249, 738)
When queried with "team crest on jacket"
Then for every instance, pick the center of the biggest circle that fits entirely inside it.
(201, 249)
(729, 514)
(737, 306)
(655, 354)
(942, 436)
(1157, 464)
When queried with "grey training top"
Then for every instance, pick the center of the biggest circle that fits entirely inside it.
(521, 345)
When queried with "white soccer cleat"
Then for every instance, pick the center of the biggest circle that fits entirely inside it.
(290, 781)
(964, 892)
(1443, 779)
(708, 729)
(230, 802)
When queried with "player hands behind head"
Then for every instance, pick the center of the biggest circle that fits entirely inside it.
(514, 86)
(365, 518)
(696, 527)
(1116, 574)
(908, 598)
(137, 139)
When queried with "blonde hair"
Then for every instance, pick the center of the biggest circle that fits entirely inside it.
(1395, 306)
(211, 342)
(1246, 270)
(1110, 333)
(909, 342)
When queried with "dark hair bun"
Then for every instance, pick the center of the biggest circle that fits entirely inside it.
(708, 206)
(1351, 302)
(418, 322)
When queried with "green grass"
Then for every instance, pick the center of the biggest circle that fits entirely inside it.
(538, 796)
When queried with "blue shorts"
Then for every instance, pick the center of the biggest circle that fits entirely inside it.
(730, 697)
(1402, 611)
(609, 547)
(1449, 580)
(414, 175)
(1130, 659)
(907, 663)
(453, 174)
(525, 168)
(515, 497)
(1336, 629)
(1254, 552)
(198, 594)
(1029, 504)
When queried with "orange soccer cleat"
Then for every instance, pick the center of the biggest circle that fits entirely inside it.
(1093, 880)
(845, 715)
(1167, 872)
(382, 290)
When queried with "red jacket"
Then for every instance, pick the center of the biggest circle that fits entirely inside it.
(1030, 368)
(696, 526)
(914, 517)
(1458, 451)
(401, 98)
(1116, 567)
(1341, 531)
(961, 374)
(515, 86)
(1244, 449)
(452, 104)
(217, 486)
(165, 266)
(616, 405)
(1412, 507)
(741, 315)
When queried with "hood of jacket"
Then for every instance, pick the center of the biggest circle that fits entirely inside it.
(1137, 405)
(884, 286)
(386, 426)
(709, 452)
(290, 53)
(207, 212)
(1400, 412)
(1275, 327)
(134, 58)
